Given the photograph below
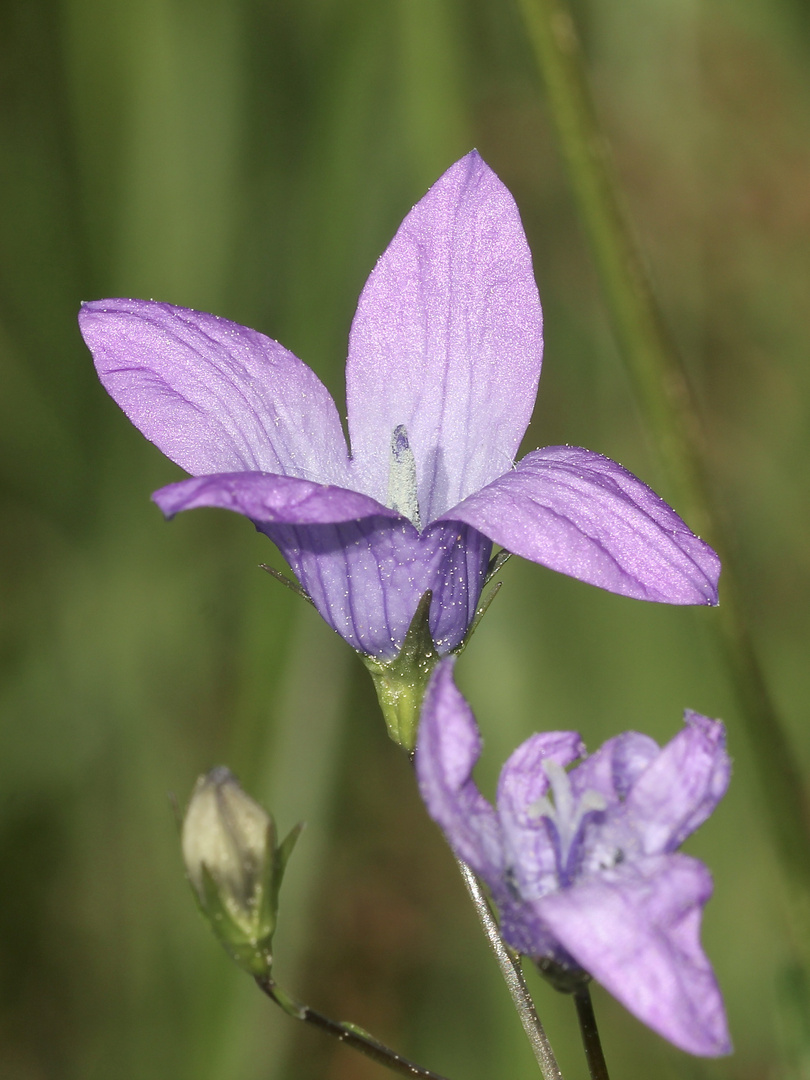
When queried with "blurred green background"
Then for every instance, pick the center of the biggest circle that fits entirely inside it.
(253, 158)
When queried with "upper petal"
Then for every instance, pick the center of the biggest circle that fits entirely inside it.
(447, 340)
(582, 514)
(269, 499)
(681, 786)
(614, 767)
(212, 395)
(523, 780)
(448, 746)
(636, 929)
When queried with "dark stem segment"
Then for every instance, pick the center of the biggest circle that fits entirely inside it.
(590, 1033)
(346, 1033)
(512, 973)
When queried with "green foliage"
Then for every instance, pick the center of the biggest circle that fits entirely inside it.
(253, 160)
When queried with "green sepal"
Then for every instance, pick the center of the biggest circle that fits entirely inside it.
(401, 683)
(279, 864)
(251, 953)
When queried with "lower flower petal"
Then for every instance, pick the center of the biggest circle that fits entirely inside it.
(636, 929)
(366, 577)
(265, 498)
(582, 514)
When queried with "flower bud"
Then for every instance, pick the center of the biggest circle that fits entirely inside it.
(234, 866)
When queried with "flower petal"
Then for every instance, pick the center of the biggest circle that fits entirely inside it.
(212, 395)
(522, 783)
(582, 514)
(366, 577)
(523, 780)
(681, 787)
(615, 766)
(448, 746)
(268, 499)
(636, 929)
(447, 340)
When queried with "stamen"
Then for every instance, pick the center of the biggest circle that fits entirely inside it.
(566, 812)
(402, 494)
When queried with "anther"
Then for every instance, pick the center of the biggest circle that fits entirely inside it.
(402, 495)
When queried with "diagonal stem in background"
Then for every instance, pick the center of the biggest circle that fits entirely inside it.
(667, 403)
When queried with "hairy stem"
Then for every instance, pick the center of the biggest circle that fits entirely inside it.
(513, 977)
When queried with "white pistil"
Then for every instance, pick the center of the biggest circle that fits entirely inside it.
(566, 812)
(402, 495)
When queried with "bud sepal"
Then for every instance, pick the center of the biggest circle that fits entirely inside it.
(235, 867)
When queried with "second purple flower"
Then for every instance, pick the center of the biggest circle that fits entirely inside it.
(583, 864)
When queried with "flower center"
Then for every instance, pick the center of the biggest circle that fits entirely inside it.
(402, 495)
(566, 815)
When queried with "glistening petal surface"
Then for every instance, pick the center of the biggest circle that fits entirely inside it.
(447, 340)
(366, 577)
(636, 929)
(270, 499)
(214, 396)
(580, 513)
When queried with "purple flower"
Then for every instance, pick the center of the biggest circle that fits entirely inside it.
(444, 359)
(582, 865)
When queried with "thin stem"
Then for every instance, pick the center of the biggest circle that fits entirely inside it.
(590, 1033)
(346, 1033)
(666, 400)
(513, 977)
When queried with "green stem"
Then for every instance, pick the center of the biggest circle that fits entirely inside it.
(666, 400)
(513, 977)
(597, 1066)
(349, 1034)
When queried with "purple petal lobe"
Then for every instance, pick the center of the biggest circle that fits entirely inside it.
(448, 746)
(447, 340)
(681, 787)
(366, 577)
(214, 396)
(636, 929)
(266, 499)
(523, 780)
(582, 514)
(614, 768)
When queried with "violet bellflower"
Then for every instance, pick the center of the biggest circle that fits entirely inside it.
(582, 864)
(441, 377)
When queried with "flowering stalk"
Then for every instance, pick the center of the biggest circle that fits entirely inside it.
(350, 1034)
(597, 1066)
(235, 867)
(512, 973)
(662, 388)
